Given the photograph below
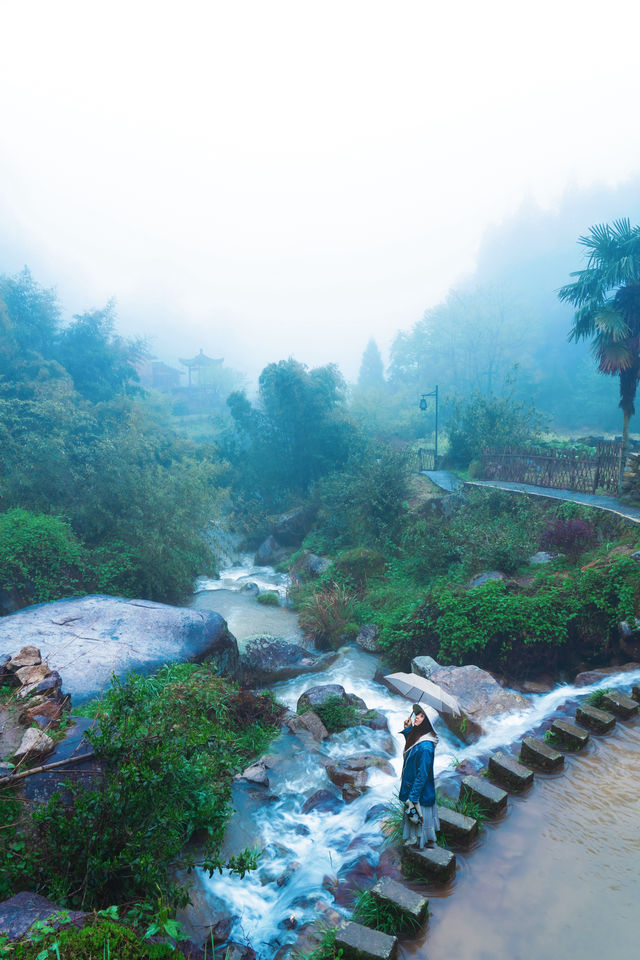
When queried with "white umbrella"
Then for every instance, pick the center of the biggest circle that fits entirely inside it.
(420, 690)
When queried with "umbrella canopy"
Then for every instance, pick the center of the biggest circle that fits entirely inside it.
(421, 690)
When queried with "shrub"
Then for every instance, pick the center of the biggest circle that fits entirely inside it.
(336, 714)
(97, 940)
(40, 557)
(326, 614)
(383, 915)
(168, 747)
(269, 599)
(481, 421)
(358, 566)
(571, 537)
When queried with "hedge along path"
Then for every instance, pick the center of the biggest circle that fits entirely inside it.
(610, 504)
(438, 865)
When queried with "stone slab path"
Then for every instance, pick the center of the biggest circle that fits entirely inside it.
(449, 482)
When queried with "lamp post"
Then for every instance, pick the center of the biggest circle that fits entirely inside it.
(423, 406)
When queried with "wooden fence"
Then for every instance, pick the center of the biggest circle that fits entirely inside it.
(560, 469)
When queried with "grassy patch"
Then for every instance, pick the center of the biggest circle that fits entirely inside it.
(269, 599)
(384, 916)
(595, 699)
(336, 714)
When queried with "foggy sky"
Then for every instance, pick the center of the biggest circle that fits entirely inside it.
(289, 178)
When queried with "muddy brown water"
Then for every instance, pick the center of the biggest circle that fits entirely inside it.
(559, 877)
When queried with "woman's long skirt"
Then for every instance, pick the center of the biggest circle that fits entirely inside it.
(421, 833)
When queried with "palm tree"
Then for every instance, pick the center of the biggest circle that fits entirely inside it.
(606, 295)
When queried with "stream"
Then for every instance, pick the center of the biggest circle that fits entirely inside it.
(305, 855)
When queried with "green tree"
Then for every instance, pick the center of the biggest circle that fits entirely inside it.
(371, 368)
(606, 297)
(297, 432)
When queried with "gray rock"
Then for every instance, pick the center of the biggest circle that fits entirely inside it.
(424, 666)
(481, 578)
(456, 828)
(291, 528)
(309, 723)
(19, 913)
(540, 754)
(88, 639)
(34, 746)
(269, 552)
(543, 557)
(351, 773)
(588, 677)
(251, 588)
(375, 720)
(324, 801)
(480, 696)
(28, 656)
(308, 566)
(32, 674)
(509, 773)
(256, 773)
(433, 863)
(316, 696)
(630, 638)
(376, 812)
(267, 660)
(389, 892)
(619, 704)
(600, 721)
(367, 639)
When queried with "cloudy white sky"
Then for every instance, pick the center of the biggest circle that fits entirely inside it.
(275, 178)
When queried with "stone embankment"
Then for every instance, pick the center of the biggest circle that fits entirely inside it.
(490, 791)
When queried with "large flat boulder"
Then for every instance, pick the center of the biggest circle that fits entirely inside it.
(267, 660)
(88, 639)
(479, 694)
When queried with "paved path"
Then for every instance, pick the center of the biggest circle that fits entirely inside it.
(449, 482)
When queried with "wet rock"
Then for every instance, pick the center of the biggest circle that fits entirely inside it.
(509, 773)
(351, 773)
(390, 893)
(457, 829)
(543, 557)
(330, 883)
(235, 951)
(539, 754)
(287, 874)
(302, 830)
(21, 911)
(32, 674)
(309, 723)
(291, 528)
(481, 578)
(269, 553)
(42, 786)
(537, 686)
(251, 588)
(35, 745)
(375, 720)
(589, 677)
(480, 696)
(390, 864)
(29, 656)
(630, 638)
(4, 660)
(256, 773)
(96, 636)
(316, 696)
(368, 638)
(354, 876)
(324, 801)
(267, 660)
(308, 566)
(50, 709)
(424, 666)
(376, 812)
(600, 721)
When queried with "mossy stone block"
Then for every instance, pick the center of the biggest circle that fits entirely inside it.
(458, 829)
(432, 863)
(539, 754)
(600, 721)
(388, 891)
(510, 773)
(362, 943)
(492, 799)
(618, 703)
(570, 735)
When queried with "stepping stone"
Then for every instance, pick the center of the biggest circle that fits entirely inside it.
(571, 736)
(362, 943)
(540, 754)
(458, 829)
(391, 892)
(492, 799)
(635, 692)
(620, 704)
(432, 863)
(509, 772)
(600, 721)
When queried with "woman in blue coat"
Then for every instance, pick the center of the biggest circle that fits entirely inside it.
(417, 789)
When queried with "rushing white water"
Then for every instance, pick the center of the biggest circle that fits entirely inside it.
(300, 851)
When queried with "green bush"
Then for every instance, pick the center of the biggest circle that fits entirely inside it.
(269, 599)
(482, 421)
(336, 714)
(327, 614)
(168, 746)
(40, 557)
(100, 939)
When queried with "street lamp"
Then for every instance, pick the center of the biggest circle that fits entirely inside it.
(423, 406)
